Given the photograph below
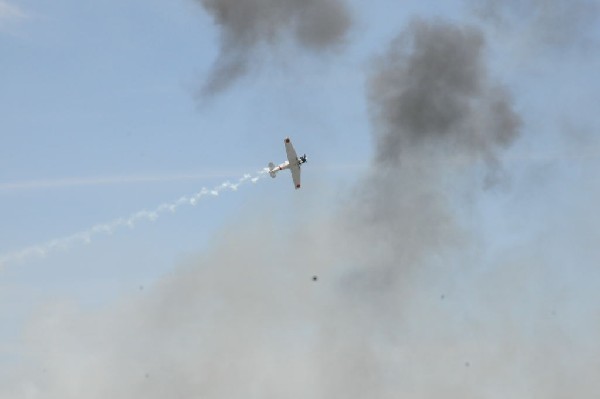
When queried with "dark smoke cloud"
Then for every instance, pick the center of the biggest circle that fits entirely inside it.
(552, 23)
(436, 111)
(249, 26)
(432, 89)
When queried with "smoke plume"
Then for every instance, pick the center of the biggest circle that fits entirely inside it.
(435, 111)
(251, 26)
(432, 90)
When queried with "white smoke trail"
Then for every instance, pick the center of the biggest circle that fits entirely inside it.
(108, 228)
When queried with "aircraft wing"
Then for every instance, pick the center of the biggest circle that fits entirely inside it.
(293, 160)
(291, 153)
(295, 168)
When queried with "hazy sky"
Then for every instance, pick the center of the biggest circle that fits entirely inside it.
(449, 202)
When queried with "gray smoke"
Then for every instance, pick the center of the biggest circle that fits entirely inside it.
(436, 113)
(248, 27)
(432, 90)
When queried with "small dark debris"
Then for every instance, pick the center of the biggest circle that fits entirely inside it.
(315, 278)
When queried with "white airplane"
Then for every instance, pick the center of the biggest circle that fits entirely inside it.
(293, 163)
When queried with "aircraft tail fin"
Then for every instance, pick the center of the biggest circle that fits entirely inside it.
(271, 167)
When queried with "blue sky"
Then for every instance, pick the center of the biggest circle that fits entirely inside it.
(101, 118)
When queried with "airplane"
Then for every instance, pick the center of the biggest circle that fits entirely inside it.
(293, 163)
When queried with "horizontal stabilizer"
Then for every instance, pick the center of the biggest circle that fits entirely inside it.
(271, 167)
